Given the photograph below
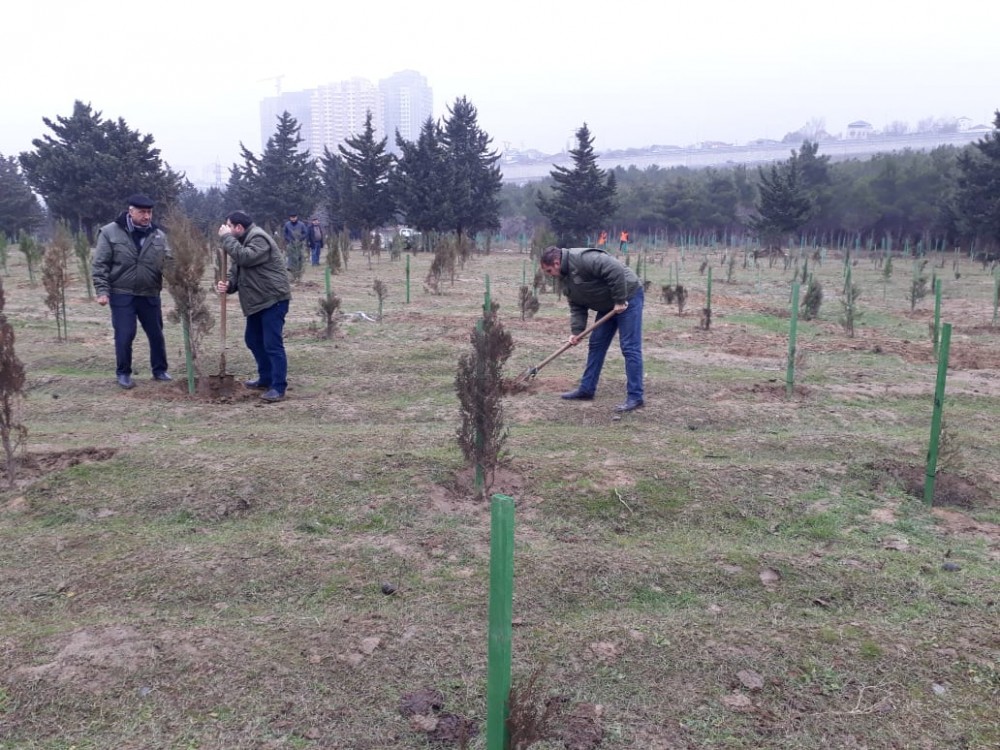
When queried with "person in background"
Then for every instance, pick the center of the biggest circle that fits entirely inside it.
(296, 235)
(257, 273)
(623, 242)
(315, 237)
(128, 275)
(593, 280)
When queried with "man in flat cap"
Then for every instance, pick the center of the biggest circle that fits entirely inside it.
(128, 274)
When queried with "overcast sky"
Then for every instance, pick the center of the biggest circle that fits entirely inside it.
(638, 72)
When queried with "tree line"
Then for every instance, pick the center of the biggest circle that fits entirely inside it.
(449, 181)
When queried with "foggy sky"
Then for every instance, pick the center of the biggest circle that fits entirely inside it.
(193, 74)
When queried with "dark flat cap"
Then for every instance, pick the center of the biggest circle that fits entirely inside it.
(140, 200)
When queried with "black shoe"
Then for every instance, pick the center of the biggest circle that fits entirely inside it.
(271, 396)
(125, 381)
(578, 395)
(256, 384)
(164, 376)
(630, 405)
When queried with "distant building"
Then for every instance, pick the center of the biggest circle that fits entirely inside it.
(333, 112)
(859, 130)
(296, 104)
(339, 111)
(407, 103)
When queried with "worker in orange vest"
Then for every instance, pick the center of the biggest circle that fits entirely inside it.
(603, 239)
(623, 242)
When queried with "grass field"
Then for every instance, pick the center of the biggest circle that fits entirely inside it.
(728, 567)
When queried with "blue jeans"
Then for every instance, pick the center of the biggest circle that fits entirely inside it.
(314, 253)
(126, 309)
(264, 339)
(628, 325)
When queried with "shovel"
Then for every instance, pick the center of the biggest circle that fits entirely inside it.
(222, 384)
(532, 371)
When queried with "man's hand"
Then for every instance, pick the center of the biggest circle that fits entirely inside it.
(225, 231)
(222, 287)
(102, 299)
(621, 307)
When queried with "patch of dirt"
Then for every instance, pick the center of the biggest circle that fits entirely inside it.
(459, 494)
(956, 523)
(99, 659)
(949, 490)
(33, 466)
(207, 390)
(424, 709)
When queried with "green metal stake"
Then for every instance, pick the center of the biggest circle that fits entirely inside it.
(937, 314)
(708, 291)
(486, 298)
(524, 273)
(188, 360)
(792, 334)
(932, 452)
(996, 293)
(407, 278)
(327, 275)
(501, 622)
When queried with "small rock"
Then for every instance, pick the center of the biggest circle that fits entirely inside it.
(388, 588)
(750, 679)
(737, 702)
(938, 689)
(951, 567)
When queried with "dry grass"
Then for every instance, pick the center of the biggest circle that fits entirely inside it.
(728, 567)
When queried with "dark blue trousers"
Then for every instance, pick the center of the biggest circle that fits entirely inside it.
(628, 326)
(264, 338)
(126, 309)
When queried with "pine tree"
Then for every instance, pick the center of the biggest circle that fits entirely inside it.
(978, 195)
(336, 188)
(420, 182)
(91, 165)
(783, 206)
(368, 204)
(472, 176)
(12, 379)
(19, 209)
(583, 198)
(281, 181)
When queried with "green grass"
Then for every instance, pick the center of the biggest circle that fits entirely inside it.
(215, 581)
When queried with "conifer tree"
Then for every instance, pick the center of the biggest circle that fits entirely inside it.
(12, 432)
(19, 209)
(583, 198)
(369, 203)
(420, 180)
(282, 180)
(472, 176)
(88, 167)
(978, 194)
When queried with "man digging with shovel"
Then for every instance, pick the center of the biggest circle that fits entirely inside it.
(593, 280)
(257, 272)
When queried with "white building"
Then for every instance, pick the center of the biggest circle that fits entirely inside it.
(333, 112)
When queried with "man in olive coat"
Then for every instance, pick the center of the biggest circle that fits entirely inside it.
(594, 280)
(257, 272)
(128, 274)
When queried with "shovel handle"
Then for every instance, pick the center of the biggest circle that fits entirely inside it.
(583, 334)
(222, 310)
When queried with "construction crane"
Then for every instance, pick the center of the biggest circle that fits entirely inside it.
(277, 82)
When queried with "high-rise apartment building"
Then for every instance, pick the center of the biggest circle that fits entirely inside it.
(297, 104)
(331, 113)
(407, 102)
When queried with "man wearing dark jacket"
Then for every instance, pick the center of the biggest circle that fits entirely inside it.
(257, 272)
(593, 280)
(128, 274)
(315, 241)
